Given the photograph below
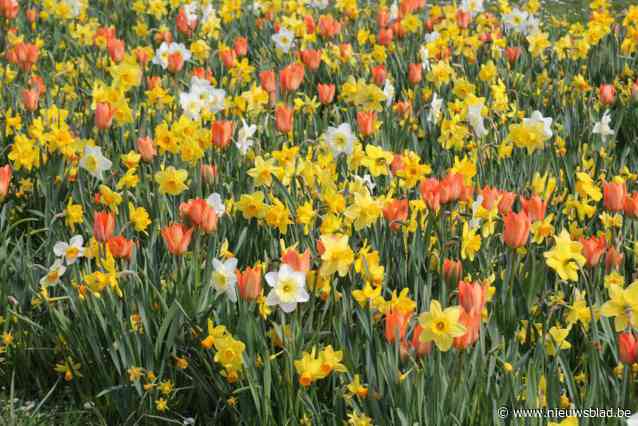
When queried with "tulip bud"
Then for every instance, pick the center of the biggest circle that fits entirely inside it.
(103, 226)
(249, 283)
(103, 115)
(5, 180)
(452, 271)
(420, 348)
(146, 148)
(627, 348)
(607, 94)
(177, 237)
(30, 99)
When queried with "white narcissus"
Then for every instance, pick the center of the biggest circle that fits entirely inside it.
(288, 288)
(71, 251)
(224, 277)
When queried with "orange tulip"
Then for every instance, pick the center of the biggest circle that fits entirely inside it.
(534, 207)
(463, 18)
(415, 73)
(104, 112)
(311, 58)
(431, 193)
(382, 17)
(490, 197)
(397, 161)
(506, 203)
(379, 75)
(291, 76)
(30, 99)
(183, 24)
(267, 81)
(116, 49)
(452, 271)
(630, 206)
(396, 212)
(25, 55)
(177, 238)
(300, 262)
(420, 348)
(614, 196)
(593, 249)
(5, 180)
(222, 132)
(153, 81)
(103, 226)
(175, 62)
(249, 283)
(472, 324)
(516, 229)
(309, 22)
(627, 348)
(228, 57)
(200, 214)
(120, 247)
(283, 118)
(607, 94)
(208, 172)
(345, 51)
(396, 324)
(328, 27)
(471, 297)
(326, 93)
(613, 259)
(366, 122)
(9, 9)
(384, 38)
(241, 46)
(451, 187)
(512, 54)
(146, 148)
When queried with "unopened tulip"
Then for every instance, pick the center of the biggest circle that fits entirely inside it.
(471, 297)
(614, 196)
(30, 99)
(241, 46)
(5, 180)
(593, 249)
(222, 132)
(607, 94)
(291, 76)
(146, 148)
(613, 259)
(516, 229)
(396, 212)
(630, 206)
(415, 73)
(452, 271)
(104, 113)
(326, 93)
(512, 54)
(396, 324)
(283, 118)
(366, 122)
(420, 348)
(175, 62)
(534, 207)
(627, 348)
(177, 237)
(249, 283)
(103, 226)
(120, 247)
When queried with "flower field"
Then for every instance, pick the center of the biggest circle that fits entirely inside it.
(291, 212)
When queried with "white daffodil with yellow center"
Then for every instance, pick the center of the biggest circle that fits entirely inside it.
(71, 251)
(289, 288)
(225, 278)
